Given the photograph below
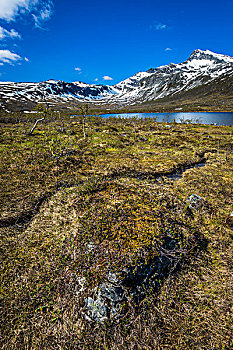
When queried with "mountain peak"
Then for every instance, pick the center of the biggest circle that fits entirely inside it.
(209, 55)
(51, 81)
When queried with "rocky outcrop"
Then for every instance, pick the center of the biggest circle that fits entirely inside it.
(113, 297)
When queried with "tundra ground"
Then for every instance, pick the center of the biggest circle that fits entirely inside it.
(61, 191)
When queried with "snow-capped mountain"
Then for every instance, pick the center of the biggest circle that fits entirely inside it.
(55, 91)
(201, 68)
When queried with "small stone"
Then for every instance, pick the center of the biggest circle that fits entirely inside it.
(112, 278)
(81, 286)
(195, 201)
(90, 247)
(229, 220)
(142, 138)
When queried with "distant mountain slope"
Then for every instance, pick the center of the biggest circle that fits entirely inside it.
(203, 71)
(51, 90)
(216, 95)
(201, 68)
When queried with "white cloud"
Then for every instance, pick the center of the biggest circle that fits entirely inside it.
(96, 79)
(7, 56)
(106, 77)
(78, 69)
(41, 10)
(4, 33)
(168, 49)
(26, 59)
(9, 9)
(158, 26)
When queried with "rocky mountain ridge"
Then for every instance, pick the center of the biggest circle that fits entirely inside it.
(201, 68)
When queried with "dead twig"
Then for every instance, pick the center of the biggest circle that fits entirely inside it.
(34, 126)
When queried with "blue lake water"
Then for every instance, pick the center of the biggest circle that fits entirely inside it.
(217, 118)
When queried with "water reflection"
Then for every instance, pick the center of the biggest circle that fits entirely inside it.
(216, 118)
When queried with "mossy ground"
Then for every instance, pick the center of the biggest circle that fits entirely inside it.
(61, 192)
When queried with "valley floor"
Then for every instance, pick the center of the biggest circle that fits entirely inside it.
(61, 193)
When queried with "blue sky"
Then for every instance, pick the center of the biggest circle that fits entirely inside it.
(105, 42)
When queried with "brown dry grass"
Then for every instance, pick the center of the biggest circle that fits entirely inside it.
(102, 190)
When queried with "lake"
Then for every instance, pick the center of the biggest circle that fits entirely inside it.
(216, 118)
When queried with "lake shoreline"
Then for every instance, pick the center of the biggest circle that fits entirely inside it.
(171, 111)
(214, 118)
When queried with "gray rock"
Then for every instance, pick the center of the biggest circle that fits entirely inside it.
(195, 201)
(142, 138)
(90, 247)
(112, 278)
(96, 309)
(229, 220)
(107, 300)
(81, 285)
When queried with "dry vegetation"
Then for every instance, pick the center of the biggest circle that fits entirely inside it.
(61, 192)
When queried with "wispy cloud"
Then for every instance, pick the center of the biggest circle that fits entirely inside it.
(158, 26)
(41, 10)
(78, 69)
(26, 59)
(168, 49)
(6, 56)
(96, 79)
(4, 33)
(106, 77)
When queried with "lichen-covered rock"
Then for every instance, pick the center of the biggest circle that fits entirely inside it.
(110, 298)
(106, 302)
